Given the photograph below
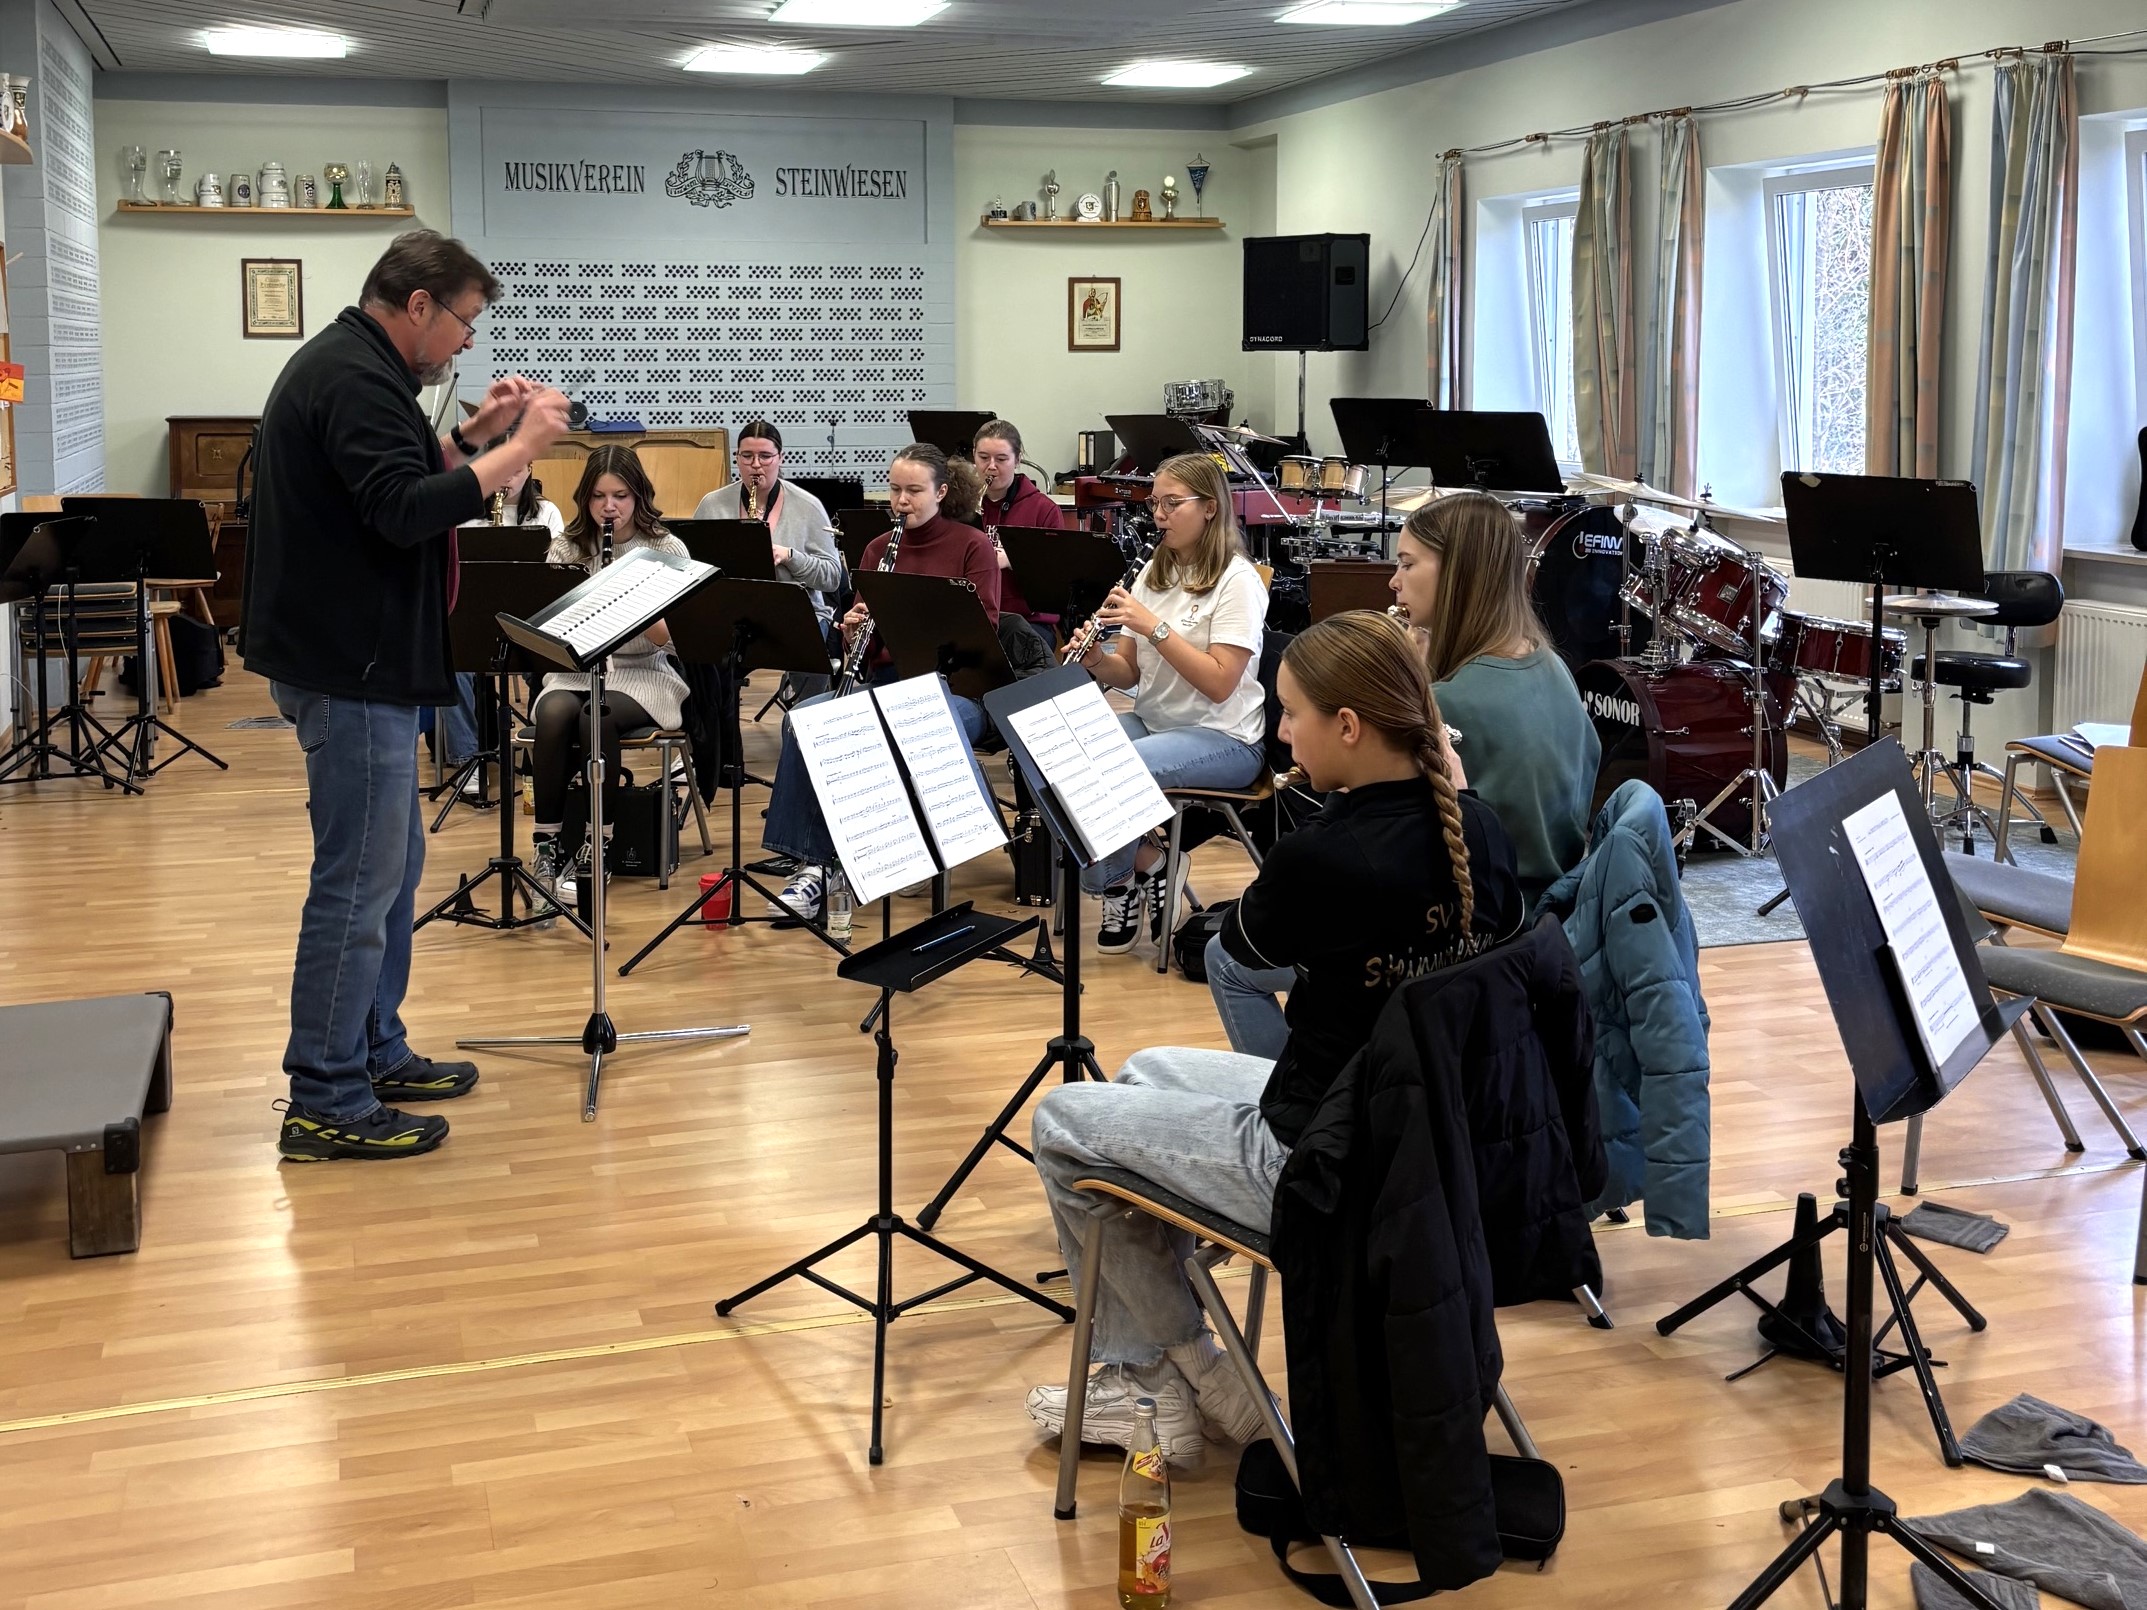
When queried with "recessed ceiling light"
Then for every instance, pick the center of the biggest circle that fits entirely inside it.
(297, 43)
(1176, 74)
(1367, 13)
(752, 59)
(858, 13)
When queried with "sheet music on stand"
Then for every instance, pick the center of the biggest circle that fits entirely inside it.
(1110, 796)
(1939, 1001)
(857, 749)
(618, 601)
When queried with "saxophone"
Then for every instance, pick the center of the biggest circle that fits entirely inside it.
(853, 664)
(499, 507)
(748, 502)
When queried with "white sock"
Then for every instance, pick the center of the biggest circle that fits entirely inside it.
(1196, 1357)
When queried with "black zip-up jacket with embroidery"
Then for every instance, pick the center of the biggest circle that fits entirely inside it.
(347, 553)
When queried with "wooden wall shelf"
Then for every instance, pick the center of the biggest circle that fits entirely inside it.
(188, 210)
(15, 151)
(1123, 223)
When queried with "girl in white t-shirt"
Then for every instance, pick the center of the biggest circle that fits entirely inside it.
(1190, 655)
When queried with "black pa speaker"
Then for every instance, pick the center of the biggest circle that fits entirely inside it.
(1306, 293)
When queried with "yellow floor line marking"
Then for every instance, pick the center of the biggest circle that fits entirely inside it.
(739, 1330)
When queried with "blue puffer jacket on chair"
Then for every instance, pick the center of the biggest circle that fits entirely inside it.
(1626, 917)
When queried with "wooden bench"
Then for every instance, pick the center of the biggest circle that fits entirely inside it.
(78, 1077)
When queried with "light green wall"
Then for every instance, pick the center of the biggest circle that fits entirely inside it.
(1180, 288)
(171, 285)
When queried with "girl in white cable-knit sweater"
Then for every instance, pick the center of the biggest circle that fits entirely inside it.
(641, 687)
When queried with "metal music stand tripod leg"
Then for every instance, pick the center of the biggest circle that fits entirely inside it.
(600, 1037)
(1070, 1051)
(139, 731)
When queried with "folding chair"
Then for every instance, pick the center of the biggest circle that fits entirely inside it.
(1217, 1239)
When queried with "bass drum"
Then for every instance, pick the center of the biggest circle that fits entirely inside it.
(1684, 730)
(1575, 567)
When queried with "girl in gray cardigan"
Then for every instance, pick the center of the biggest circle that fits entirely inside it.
(798, 523)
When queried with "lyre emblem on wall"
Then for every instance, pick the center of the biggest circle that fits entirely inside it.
(709, 179)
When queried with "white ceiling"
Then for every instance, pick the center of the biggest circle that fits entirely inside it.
(983, 49)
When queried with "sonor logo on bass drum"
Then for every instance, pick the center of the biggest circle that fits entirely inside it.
(1609, 707)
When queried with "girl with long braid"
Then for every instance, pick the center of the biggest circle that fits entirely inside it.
(1399, 875)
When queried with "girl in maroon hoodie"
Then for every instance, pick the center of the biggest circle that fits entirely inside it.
(1011, 498)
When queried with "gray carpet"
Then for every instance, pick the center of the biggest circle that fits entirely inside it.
(1725, 890)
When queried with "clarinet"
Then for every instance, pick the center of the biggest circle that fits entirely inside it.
(499, 507)
(853, 663)
(1085, 639)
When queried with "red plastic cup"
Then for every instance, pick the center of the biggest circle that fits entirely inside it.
(715, 902)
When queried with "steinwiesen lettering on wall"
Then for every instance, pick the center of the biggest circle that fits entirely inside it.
(692, 177)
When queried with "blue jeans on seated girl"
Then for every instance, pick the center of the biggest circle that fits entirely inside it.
(1184, 757)
(795, 825)
(1245, 1001)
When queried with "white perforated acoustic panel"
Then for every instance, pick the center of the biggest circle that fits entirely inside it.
(830, 346)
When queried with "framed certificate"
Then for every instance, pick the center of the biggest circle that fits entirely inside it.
(1091, 315)
(272, 304)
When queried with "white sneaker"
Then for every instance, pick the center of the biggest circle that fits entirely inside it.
(1107, 1410)
(1227, 1410)
(802, 894)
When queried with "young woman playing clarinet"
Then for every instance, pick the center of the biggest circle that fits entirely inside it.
(1190, 655)
(1397, 876)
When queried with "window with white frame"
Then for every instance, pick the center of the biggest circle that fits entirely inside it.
(1819, 280)
(1547, 231)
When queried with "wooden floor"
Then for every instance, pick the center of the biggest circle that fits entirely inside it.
(494, 1377)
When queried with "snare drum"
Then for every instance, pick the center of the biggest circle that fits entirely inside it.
(1299, 474)
(1840, 651)
(1712, 592)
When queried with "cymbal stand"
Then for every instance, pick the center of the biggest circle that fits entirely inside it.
(1755, 775)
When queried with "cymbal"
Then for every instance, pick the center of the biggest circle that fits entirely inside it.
(1638, 491)
(1245, 433)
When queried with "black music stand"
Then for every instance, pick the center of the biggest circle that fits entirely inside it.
(1882, 531)
(487, 590)
(1386, 431)
(1895, 1078)
(503, 544)
(952, 430)
(833, 491)
(855, 529)
(37, 553)
(745, 626)
(903, 964)
(1070, 1051)
(165, 538)
(1148, 439)
(1072, 572)
(579, 631)
(743, 549)
(935, 623)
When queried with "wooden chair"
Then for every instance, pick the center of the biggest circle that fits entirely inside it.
(1216, 1240)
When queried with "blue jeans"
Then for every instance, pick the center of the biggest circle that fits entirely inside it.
(1184, 757)
(795, 825)
(1189, 1121)
(354, 935)
(458, 723)
(1245, 1001)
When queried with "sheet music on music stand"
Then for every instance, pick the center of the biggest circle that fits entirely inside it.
(889, 766)
(591, 620)
(1106, 791)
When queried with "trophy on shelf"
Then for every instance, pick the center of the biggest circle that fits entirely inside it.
(391, 183)
(169, 168)
(337, 175)
(1168, 196)
(1051, 196)
(137, 161)
(363, 190)
(1143, 211)
(1197, 171)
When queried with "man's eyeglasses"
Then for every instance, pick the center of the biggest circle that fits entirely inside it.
(1167, 507)
(458, 318)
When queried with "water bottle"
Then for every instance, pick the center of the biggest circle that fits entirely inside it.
(1144, 1517)
(840, 906)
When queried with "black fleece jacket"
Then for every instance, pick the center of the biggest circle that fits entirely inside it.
(347, 556)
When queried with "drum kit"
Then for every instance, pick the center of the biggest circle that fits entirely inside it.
(1688, 659)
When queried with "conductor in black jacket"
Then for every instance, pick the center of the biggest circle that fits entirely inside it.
(350, 575)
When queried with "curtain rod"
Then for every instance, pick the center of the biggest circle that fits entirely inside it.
(1996, 53)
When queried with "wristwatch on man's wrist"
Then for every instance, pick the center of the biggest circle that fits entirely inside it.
(1162, 631)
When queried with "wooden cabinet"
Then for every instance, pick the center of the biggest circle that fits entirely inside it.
(684, 465)
(205, 454)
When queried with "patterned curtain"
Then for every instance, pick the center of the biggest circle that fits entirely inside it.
(1605, 379)
(2024, 372)
(1911, 220)
(1443, 337)
(1673, 432)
